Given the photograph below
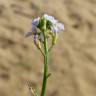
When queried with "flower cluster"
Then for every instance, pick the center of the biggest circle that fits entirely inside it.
(54, 25)
(46, 24)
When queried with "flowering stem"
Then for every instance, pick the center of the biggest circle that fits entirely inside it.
(49, 27)
(45, 76)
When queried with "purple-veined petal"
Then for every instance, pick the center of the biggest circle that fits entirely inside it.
(54, 28)
(28, 34)
(57, 27)
(50, 18)
(60, 26)
(35, 22)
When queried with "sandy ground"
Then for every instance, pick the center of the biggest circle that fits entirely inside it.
(72, 61)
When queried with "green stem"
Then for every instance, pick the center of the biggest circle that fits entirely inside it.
(45, 66)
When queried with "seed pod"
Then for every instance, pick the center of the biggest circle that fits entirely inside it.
(54, 38)
(38, 44)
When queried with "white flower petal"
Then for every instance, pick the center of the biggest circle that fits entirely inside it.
(60, 26)
(50, 18)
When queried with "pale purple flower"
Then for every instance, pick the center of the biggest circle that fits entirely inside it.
(35, 22)
(60, 26)
(34, 30)
(50, 18)
(57, 27)
(54, 28)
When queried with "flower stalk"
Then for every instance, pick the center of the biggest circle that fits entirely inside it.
(43, 28)
(45, 66)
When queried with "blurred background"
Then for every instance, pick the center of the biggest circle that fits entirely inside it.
(72, 61)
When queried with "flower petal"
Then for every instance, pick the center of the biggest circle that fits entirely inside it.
(50, 18)
(28, 34)
(54, 28)
(35, 22)
(60, 26)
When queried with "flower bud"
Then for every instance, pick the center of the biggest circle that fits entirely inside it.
(42, 24)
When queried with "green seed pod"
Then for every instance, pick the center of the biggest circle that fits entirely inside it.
(38, 44)
(54, 38)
